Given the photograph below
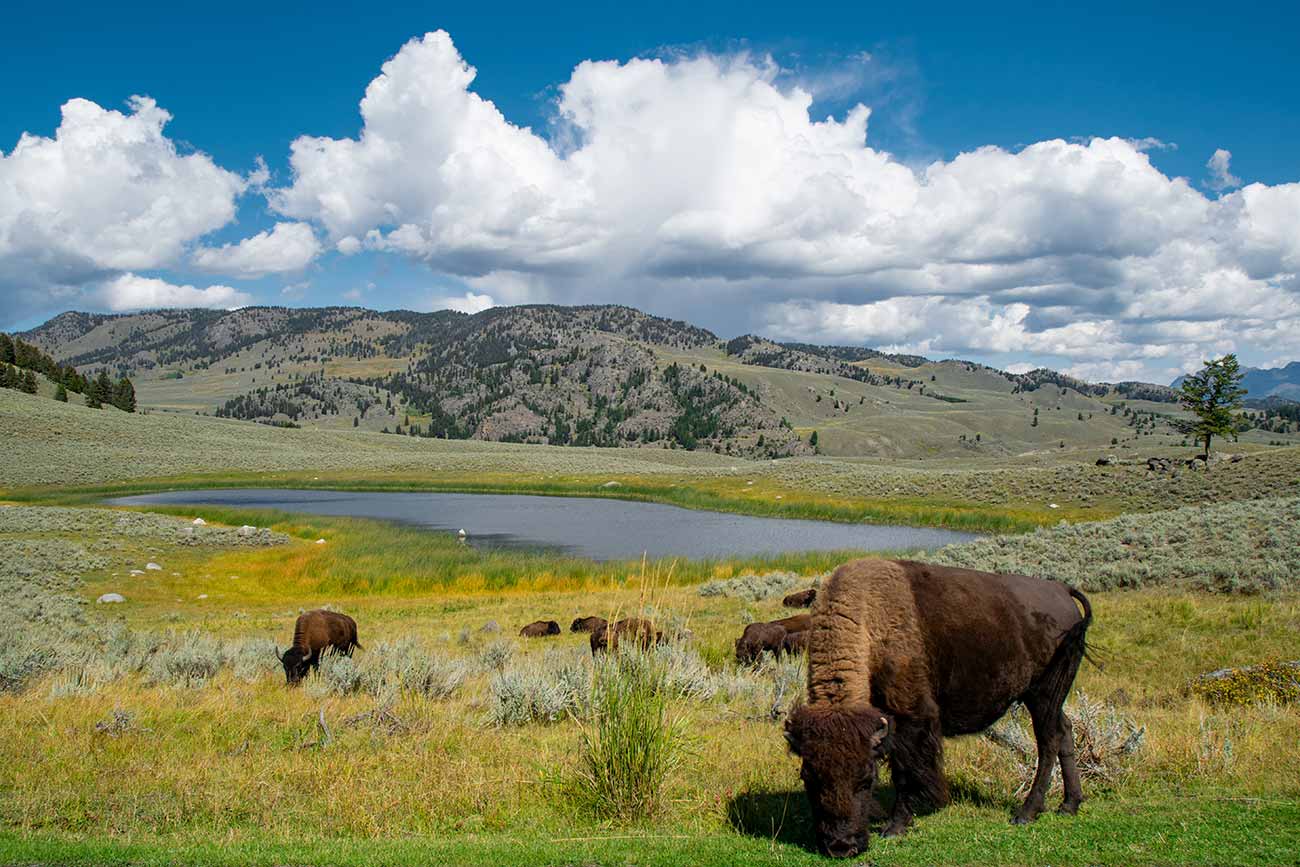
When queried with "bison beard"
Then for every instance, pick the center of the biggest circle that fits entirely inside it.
(903, 654)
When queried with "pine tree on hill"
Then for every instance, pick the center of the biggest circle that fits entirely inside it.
(8, 376)
(124, 395)
(29, 382)
(61, 393)
(6, 349)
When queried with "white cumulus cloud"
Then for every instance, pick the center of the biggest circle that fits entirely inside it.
(1221, 176)
(286, 247)
(470, 302)
(109, 192)
(133, 292)
(706, 179)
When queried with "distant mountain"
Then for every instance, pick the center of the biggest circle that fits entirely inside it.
(595, 375)
(1261, 383)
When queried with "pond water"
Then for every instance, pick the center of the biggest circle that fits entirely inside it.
(600, 529)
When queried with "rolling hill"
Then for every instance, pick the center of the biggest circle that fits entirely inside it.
(601, 376)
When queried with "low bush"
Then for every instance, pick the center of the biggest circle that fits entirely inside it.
(1272, 682)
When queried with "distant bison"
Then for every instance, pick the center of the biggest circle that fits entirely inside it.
(634, 629)
(757, 639)
(315, 633)
(903, 654)
(587, 624)
(540, 629)
(802, 599)
(795, 623)
(794, 642)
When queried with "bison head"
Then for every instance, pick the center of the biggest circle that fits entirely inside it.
(295, 664)
(840, 747)
(552, 628)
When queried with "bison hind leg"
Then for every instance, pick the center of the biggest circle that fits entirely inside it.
(1069, 770)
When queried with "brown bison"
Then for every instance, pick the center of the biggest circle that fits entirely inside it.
(795, 623)
(903, 654)
(634, 629)
(540, 629)
(315, 633)
(757, 639)
(586, 624)
(794, 642)
(801, 599)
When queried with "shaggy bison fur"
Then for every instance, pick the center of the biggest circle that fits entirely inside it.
(587, 624)
(315, 633)
(904, 654)
(757, 639)
(801, 599)
(540, 629)
(633, 629)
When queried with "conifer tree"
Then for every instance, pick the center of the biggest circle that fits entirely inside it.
(61, 393)
(29, 382)
(124, 395)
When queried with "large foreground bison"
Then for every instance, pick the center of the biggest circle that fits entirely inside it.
(903, 654)
(315, 633)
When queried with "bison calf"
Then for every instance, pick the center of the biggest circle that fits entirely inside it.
(757, 639)
(587, 624)
(540, 629)
(802, 599)
(315, 633)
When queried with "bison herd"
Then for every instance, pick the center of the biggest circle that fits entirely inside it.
(901, 655)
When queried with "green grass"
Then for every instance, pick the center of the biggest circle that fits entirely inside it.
(1174, 832)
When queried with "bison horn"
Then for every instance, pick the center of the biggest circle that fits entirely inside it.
(278, 654)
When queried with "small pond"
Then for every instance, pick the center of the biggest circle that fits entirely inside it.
(597, 528)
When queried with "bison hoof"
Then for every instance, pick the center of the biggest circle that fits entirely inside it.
(896, 828)
(1024, 818)
(1068, 809)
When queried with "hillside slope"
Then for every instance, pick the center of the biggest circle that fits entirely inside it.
(607, 376)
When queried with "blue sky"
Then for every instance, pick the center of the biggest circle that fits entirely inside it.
(972, 88)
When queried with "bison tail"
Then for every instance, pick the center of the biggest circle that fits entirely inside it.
(1087, 608)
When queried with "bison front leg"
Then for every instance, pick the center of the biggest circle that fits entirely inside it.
(916, 765)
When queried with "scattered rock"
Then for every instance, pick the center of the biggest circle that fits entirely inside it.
(320, 541)
(612, 484)
(1053, 506)
(110, 598)
(199, 522)
(137, 571)
(203, 596)
(247, 531)
(153, 567)
(1108, 461)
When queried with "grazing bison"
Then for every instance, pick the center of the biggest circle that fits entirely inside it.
(540, 629)
(794, 642)
(801, 599)
(903, 654)
(587, 624)
(317, 632)
(757, 639)
(634, 629)
(795, 623)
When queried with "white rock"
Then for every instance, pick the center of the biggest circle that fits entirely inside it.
(199, 522)
(320, 541)
(109, 598)
(1053, 506)
(247, 530)
(137, 571)
(612, 484)
(779, 497)
(462, 532)
(153, 567)
(203, 596)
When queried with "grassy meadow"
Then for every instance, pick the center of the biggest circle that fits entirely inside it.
(159, 730)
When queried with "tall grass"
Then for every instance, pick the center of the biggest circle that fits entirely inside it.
(634, 740)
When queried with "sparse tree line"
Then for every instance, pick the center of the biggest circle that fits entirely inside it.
(20, 362)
